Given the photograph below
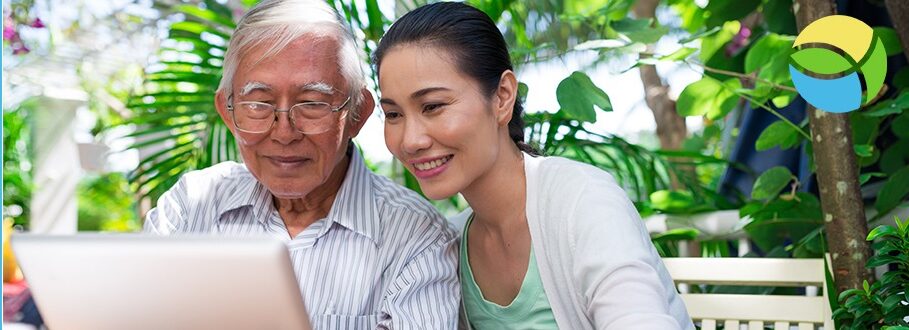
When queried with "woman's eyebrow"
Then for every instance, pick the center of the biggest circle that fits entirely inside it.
(427, 90)
(415, 95)
(387, 101)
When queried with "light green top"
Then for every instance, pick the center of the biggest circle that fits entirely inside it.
(529, 310)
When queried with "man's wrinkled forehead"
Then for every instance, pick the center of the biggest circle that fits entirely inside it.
(316, 44)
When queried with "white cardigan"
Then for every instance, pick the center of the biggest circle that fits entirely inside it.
(598, 266)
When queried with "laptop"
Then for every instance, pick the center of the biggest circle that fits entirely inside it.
(130, 281)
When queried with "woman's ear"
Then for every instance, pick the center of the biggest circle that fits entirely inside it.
(505, 97)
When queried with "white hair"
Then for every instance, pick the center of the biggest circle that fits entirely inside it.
(277, 23)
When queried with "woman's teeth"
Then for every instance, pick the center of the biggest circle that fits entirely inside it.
(432, 164)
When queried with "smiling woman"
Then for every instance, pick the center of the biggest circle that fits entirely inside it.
(450, 99)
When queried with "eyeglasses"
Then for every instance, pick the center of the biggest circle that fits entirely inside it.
(260, 117)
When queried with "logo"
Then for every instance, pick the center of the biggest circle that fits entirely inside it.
(864, 54)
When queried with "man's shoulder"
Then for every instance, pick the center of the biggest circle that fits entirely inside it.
(410, 210)
(219, 171)
(217, 176)
(221, 179)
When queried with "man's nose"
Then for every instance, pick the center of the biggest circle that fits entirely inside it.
(284, 131)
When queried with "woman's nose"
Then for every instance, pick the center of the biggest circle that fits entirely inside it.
(415, 138)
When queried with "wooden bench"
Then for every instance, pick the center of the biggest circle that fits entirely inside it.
(733, 310)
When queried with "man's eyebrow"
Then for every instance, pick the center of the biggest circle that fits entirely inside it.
(319, 86)
(254, 86)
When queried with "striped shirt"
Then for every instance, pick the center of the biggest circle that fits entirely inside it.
(382, 258)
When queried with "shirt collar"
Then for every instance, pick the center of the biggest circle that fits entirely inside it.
(354, 206)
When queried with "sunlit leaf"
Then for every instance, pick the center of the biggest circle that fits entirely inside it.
(578, 95)
(769, 184)
(708, 97)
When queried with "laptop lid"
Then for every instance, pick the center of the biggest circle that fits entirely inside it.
(129, 281)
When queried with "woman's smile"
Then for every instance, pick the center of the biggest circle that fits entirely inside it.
(426, 168)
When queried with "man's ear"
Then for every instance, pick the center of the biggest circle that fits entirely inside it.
(365, 109)
(221, 106)
(505, 97)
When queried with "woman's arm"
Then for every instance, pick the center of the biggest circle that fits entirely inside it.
(618, 271)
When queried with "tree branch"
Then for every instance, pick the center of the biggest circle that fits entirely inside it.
(899, 15)
(837, 174)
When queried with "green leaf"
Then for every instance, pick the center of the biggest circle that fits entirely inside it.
(901, 78)
(880, 260)
(769, 184)
(769, 57)
(162, 128)
(678, 234)
(770, 233)
(197, 28)
(894, 157)
(766, 48)
(784, 99)
(881, 231)
(701, 34)
(206, 15)
(863, 150)
(631, 25)
(890, 40)
(864, 177)
(900, 125)
(376, 25)
(894, 191)
(522, 92)
(779, 17)
(578, 95)
(671, 200)
(821, 60)
(848, 293)
(714, 43)
(639, 30)
(679, 55)
(708, 97)
(779, 133)
(721, 11)
(601, 44)
(883, 109)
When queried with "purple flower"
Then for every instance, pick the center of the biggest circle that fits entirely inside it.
(9, 33)
(37, 23)
(738, 41)
(20, 49)
(9, 28)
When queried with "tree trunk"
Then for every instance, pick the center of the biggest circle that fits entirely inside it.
(670, 126)
(899, 15)
(837, 174)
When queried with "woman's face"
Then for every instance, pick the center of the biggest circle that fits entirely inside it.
(437, 121)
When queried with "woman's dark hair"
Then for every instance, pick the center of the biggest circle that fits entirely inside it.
(473, 40)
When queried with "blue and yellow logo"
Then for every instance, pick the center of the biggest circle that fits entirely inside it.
(865, 54)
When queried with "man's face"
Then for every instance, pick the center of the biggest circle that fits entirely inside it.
(291, 164)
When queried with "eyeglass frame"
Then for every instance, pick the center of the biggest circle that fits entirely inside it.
(275, 111)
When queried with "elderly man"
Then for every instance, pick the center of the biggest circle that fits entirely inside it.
(367, 253)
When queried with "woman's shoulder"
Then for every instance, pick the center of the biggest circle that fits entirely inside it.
(555, 171)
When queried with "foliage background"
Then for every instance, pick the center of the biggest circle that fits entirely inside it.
(739, 50)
